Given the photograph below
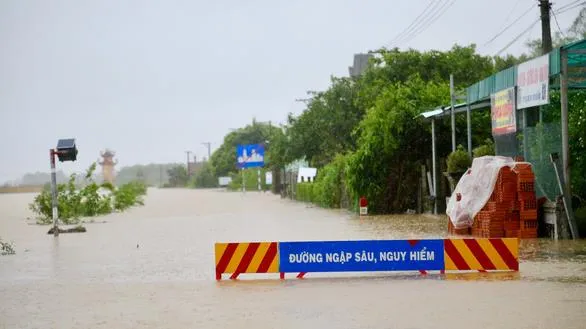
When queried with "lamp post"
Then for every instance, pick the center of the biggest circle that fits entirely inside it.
(66, 151)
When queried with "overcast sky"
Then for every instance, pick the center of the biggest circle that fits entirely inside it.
(152, 79)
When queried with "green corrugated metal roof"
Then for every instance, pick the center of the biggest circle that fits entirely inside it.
(505, 79)
(555, 62)
(481, 90)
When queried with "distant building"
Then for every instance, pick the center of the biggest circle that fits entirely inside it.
(360, 64)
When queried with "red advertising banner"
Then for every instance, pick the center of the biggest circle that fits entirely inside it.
(502, 110)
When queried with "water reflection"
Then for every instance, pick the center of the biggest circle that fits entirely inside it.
(483, 276)
(169, 281)
(553, 251)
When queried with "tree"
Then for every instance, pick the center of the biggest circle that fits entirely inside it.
(385, 165)
(502, 63)
(391, 66)
(327, 125)
(177, 176)
(224, 158)
(204, 178)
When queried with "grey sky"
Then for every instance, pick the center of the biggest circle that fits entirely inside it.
(151, 79)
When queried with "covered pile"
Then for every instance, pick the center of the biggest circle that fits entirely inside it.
(495, 199)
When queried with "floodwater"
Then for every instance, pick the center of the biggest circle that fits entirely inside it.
(153, 267)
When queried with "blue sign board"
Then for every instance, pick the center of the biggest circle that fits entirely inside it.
(354, 256)
(250, 156)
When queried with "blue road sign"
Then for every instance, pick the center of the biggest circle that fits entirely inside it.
(250, 156)
(358, 256)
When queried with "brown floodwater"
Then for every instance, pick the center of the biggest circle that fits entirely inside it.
(153, 267)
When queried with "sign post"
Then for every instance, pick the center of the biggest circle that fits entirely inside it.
(250, 156)
(66, 151)
(54, 202)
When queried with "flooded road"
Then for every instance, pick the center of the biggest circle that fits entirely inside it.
(153, 267)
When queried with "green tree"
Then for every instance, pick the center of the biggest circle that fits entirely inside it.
(327, 125)
(505, 62)
(224, 158)
(391, 66)
(178, 176)
(386, 164)
(204, 178)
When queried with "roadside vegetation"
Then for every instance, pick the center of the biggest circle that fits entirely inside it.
(366, 137)
(6, 248)
(88, 199)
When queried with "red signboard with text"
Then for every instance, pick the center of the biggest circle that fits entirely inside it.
(502, 110)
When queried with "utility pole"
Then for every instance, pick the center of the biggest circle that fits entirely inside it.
(188, 153)
(160, 175)
(545, 7)
(208, 144)
(453, 115)
(54, 194)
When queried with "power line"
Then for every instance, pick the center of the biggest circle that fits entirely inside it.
(558, 24)
(442, 10)
(568, 5)
(445, 6)
(518, 36)
(511, 12)
(565, 9)
(510, 25)
(559, 11)
(423, 15)
(408, 28)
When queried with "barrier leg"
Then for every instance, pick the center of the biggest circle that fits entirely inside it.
(282, 275)
(218, 276)
(423, 272)
(301, 275)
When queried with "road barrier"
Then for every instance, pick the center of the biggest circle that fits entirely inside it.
(246, 257)
(481, 254)
(499, 254)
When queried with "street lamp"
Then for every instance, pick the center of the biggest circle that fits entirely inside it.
(66, 151)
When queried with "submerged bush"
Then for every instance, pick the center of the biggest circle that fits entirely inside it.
(91, 200)
(330, 190)
(6, 248)
(305, 192)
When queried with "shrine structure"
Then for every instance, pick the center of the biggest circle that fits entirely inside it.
(108, 164)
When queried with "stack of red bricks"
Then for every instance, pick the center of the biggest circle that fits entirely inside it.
(527, 201)
(490, 221)
(511, 210)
